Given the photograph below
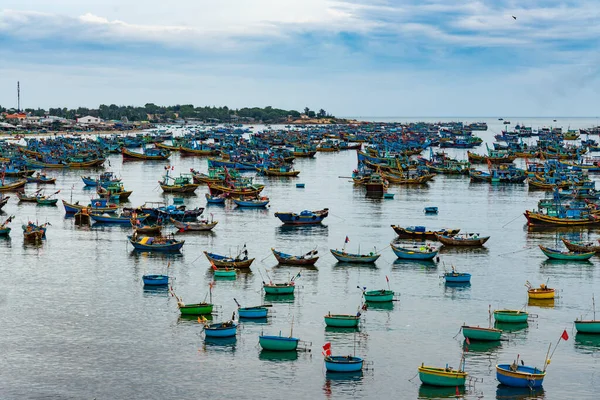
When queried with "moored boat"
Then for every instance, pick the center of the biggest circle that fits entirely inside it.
(414, 252)
(303, 218)
(541, 293)
(419, 232)
(201, 225)
(239, 261)
(447, 376)
(566, 255)
(278, 343)
(4, 228)
(511, 316)
(590, 325)
(156, 243)
(354, 258)
(581, 247)
(6, 186)
(482, 334)
(309, 258)
(342, 320)
(464, 239)
(221, 329)
(378, 296)
(155, 280)
(515, 375)
(257, 202)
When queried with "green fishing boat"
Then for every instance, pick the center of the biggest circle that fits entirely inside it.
(588, 326)
(224, 272)
(279, 288)
(278, 343)
(483, 334)
(511, 316)
(195, 309)
(442, 376)
(378, 296)
(342, 320)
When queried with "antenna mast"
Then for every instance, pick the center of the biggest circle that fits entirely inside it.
(18, 96)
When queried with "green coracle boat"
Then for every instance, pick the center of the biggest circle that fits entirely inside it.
(378, 296)
(342, 320)
(483, 334)
(588, 326)
(279, 288)
(511, 316)
(195, 309)
(278, 343)
(442, 376)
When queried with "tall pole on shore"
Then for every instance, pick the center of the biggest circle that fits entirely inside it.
(18, 96)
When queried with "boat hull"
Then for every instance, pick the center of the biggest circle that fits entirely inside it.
(196, 309)
(343, 364)
(354, 258)
(524, 376)
(220, 332)
(440, 377)
(559, 255)
(541, 294)
(155, 280)
(293, 260)
(278, 343)
(587, 326)
(342, 321)
(413, 254)
(378, 296)
(279, 289)
(253, 312)
(510, 316)
(481, 334)
(220, 261)
(451, 277)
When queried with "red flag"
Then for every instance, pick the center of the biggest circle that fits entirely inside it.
(387, 279)
(565, 335)
(327, 346)
(347, 240)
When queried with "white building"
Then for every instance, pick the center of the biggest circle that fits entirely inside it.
(88, 120)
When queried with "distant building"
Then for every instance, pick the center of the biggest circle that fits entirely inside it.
(87, 120)
(15, 116)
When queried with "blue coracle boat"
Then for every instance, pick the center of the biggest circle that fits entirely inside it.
(414, 252)
(519, 375)
(221, 329)
(457, 277)
(155, 280)
(253, 312)
(256, 203)
(343, 363)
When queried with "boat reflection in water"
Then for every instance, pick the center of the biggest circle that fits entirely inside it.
(542, 303)
(511, 327)
(279, 298)
(278, 356)
(156, 291)
(516, 393)
(479, 346)
(385, 306)
(337, 329)
(257, 321)
(439, 392)
(587, 343)
(225, 343)
(192, 319)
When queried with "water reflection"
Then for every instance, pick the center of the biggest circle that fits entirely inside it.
(347, 265)
(302, 230)
(227, 343)
(435, 392)
(386, 306)
(513, 393)
(549, 264)
(256, 321)
(193, 319)
(542, 303)
(478, 346)
(156, 291)
(511, 327)
(416, 265)
(464, 250)
(279, 298)
(587, 343)
(278, 356)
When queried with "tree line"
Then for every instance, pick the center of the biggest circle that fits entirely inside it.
(154, 113)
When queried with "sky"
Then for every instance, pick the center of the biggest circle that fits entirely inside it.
(351, 57)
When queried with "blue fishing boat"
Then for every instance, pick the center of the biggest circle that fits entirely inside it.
(252, 312)
(519, 375)
(4, 228)
(257, 202)
(300, 185)
(155, 280)
(304, 218)
(430, 210)
(414, 252)
(354, 258)
(343, 363)
(217, 199)
(156, 243)
(123, 218)
(457, 277)
(221, 329)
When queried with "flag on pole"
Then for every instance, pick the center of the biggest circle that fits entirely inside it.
(565, 335)
(347, 240)
(326, 349)
(387, 279)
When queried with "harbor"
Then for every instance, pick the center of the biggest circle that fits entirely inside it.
(299, 242)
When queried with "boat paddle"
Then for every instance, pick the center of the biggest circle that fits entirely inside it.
(236, 302)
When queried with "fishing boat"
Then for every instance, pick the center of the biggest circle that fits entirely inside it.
(581, 247)
(566, 255)
(4, 228)
(279, 288)
(541, 293)
(96, 205)
(257, 202)
(155, 280)
(354, 258)
(217, 199)
(519, 375)
(287, 172)
(588, 325)
(125, 218)
(40, 179)
(28, 198)
(378, 296)
(3, 200)
(430, 210)
(82, 217)
(47, 200)
(221, 329)
(341, 363)
(147, 154)
(447, 376)
(457, 277)
(463, 239)
(202, 308)
(251, 312)
(12, 185)
(104, 179)
(414, 252)
(342, 320)
(115, 190)
(278, 343)
(223, 272)
(309, 258)
(481, 334)
(199, 225)
(182, 184)
(419, 232)
(34, 232)
(240, 261)
(156, 243)
(511, 316)
(303, 218)
(141, 229)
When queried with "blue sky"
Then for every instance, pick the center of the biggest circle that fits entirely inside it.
(353, 58)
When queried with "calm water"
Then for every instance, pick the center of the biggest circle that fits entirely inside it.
(77, 323)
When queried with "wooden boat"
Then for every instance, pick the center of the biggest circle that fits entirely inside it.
(202, 225)
(279, 172)
(253, 190)
(158, 154)
(12, 185)
(114, 190)
(414, 252)
(430, 210)
(278, 343)
(566, 255)
(465, 239)
(230, 262)
(47, 200)
(28, 198)
(141, 229)
(252, 312)
(40, 179)
(588, 326)
(442, 376)
(221, 329)
(581, 247)
(537, 218)
(343, 363)
(123, 218)
(258, 202)
(218, 199)
(82, 217)
(156, 243)
(419, 232)
(342, 320)
(155, 280)
(34, 232)
(182, 184)
(202, 308)
(354, 258)
(304, 218)
(515, 375)
(224, 272)
(378, 296)
(104, 179)
(511, 316)
(457, 277)
(97, 206)
(541, 293)
(279, 288)
(481, 334)
(17, 173)
(4, 228)
(309, 258)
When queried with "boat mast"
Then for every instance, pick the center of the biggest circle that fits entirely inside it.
(594, 306)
